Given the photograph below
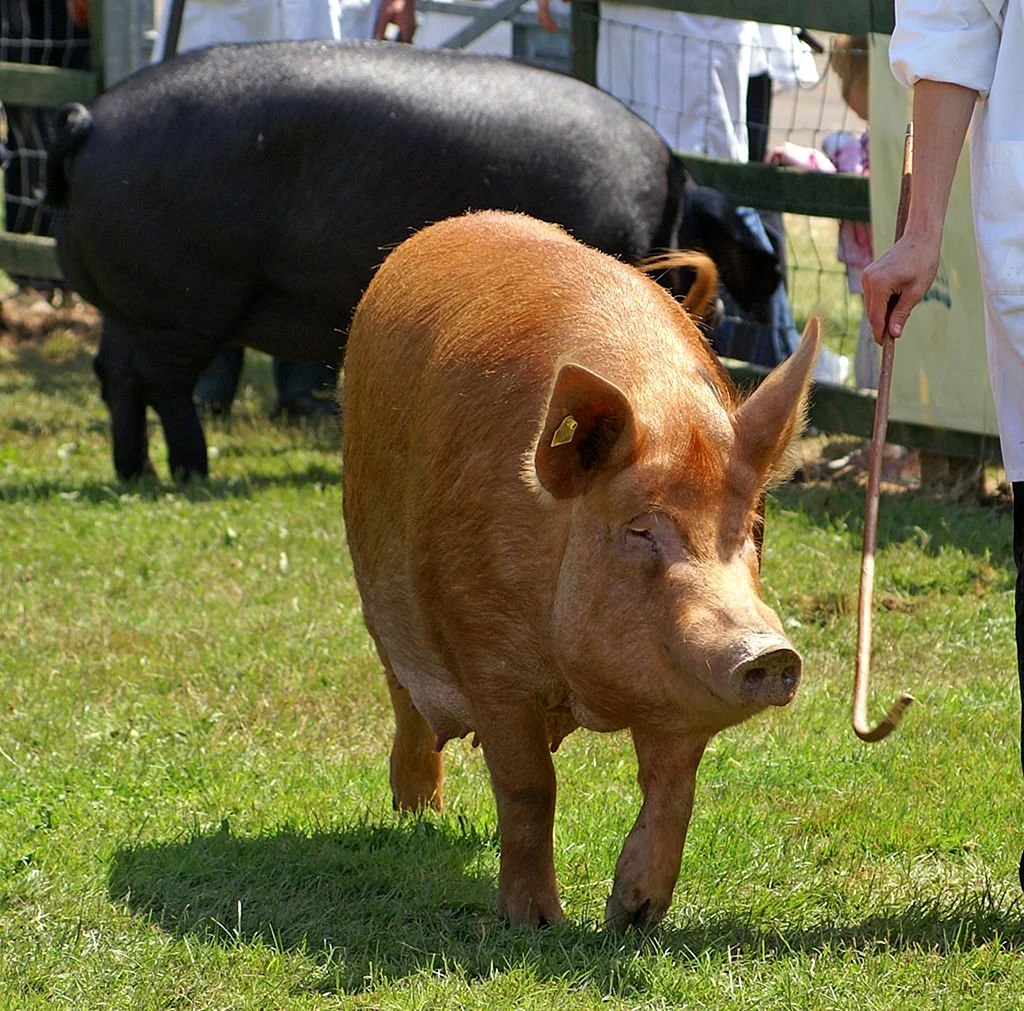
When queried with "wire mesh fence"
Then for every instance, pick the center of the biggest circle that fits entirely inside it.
(710, 85)
(742, 91)
(40, 33)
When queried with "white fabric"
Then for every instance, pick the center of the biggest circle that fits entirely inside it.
(785, 58)
(686, 74)
(209, 22)
(955, 41)
(961, 42)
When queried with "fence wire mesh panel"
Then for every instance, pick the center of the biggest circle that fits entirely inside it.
(733, 97)
(39, 33)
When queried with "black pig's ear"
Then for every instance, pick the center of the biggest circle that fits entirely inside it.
(773, 415)
(589, 430)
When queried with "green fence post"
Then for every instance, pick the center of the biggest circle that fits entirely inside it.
(583, 28)
(97, 49)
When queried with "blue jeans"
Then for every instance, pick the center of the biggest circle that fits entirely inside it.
(216, 388)
(767, 335)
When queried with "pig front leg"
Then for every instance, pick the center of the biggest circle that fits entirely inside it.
(514, 736)
(648, 866)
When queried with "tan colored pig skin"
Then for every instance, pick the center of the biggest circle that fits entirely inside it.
(523, 574)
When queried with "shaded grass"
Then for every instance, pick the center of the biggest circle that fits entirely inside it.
(194, 809)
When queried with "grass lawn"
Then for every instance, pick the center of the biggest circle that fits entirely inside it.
(194, 810)
(816, 282)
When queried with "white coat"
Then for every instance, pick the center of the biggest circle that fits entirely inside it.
(208, 22)
(978, 44)
(686, 74)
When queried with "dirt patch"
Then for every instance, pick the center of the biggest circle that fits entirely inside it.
(32, 315)
(840, 459)
(825, 458)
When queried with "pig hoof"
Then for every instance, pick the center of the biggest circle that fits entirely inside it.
(141, 472)
(418, 801)
(623, 912)
(529, 912)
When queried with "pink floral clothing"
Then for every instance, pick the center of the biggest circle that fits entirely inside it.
(849, 153)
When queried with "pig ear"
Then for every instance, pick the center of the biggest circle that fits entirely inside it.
(773, 415)
(589, 429)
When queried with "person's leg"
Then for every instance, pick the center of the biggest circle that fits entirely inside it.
(305, 389)
(216, 388)
(1018, 558)
(759, 114)
(765, 334)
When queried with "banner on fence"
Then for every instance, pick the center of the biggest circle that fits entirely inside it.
(940, 377)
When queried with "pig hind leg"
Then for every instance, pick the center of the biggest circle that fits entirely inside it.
(160, 366)
(417, 768)
(125, 398)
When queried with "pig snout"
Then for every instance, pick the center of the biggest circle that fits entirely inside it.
(770, 677)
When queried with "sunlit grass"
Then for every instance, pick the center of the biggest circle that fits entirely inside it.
(816, 282)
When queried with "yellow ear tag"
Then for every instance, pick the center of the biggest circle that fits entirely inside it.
(565, 431)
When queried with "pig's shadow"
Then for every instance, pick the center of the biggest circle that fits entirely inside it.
(371, 897)
(376, 903)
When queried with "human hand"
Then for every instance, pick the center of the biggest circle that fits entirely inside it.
(401, 14)
(544, 16)
(79, 12)
(791, 155)
(901, 275)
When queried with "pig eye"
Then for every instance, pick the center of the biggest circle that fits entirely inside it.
(642, 538)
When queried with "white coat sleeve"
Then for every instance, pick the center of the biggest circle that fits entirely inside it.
(954, 41)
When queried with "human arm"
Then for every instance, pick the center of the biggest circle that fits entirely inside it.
(942, 112)
(544, 16)
(402, 14)
(946, 50)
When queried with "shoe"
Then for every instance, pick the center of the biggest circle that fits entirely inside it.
(307, 406)
(212, 408)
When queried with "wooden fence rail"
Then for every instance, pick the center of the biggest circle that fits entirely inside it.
(47, 87)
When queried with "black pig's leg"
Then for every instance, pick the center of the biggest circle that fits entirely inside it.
(125, 398)
(183, 432)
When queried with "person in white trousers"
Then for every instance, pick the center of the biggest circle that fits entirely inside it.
(208, 22)
(963, 60)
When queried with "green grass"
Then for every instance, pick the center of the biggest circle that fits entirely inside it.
(816, 282)
(194, 810)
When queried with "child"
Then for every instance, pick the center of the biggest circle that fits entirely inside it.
(847, 151)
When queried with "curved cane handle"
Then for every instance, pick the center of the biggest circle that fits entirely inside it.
(867, 562)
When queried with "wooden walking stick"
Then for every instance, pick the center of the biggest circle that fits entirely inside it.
(867, 561)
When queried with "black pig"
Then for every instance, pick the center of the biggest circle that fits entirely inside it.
(246, 194)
